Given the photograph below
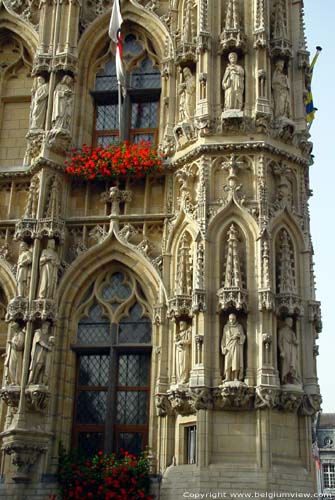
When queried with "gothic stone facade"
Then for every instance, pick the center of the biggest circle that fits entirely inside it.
(178, 309)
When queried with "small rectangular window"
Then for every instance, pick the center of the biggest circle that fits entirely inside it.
(191, 444)
(328, 475)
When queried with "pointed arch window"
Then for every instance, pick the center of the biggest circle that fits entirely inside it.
(140, 108)
(113, 366)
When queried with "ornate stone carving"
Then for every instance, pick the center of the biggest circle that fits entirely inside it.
(310, 404)
(39, 102)
(288, 351)
(32, 201)
(48, 264)
(181, 402)
(280, 44)
(163, 405)
(287, 299)
(233, 292)
(201, 398)
(183, 344)
(281, 91)
(127, 232)
(232, 36)
(234, 396)
(184, 274)
(44, 309)
(17, 309)
(145, 247)
(186, 37)
(232, 342)
(11, 395)
(290, 400)
(34, 147)
(23, 270)
(61, 119)
(260, 33)
(37, 397)
(187, 98)
(115, 196)
(23, 457)
(14, 356)
(266, 298)
(98, 234)
(233, 86)
(39, 369)
(52, 225)
(266, 397)
(25, 228)
(28, 10)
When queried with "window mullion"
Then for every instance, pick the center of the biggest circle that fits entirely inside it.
(126, 114)
(111, 396)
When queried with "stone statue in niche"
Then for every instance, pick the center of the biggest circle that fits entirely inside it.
(233, 84)
(183, 352)
(23, 270)
(232, 349)
(187, 96)
(280, 91)
(62, 105)
(39, 369)
(288, 351)
(49, 264)
(39, 104)
(14, 356)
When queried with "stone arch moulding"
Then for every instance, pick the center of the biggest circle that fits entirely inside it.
(233, 213)
(285, 220)
(99, 257)
(15, 24)
(183, 222)
(132, 12)
(7, 280)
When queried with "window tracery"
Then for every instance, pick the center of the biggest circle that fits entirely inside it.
(113, 366)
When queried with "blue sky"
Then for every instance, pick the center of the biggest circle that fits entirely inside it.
(320, 30)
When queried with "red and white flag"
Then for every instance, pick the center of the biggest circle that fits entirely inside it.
(115, 34)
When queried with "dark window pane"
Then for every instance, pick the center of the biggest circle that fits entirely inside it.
(107, 117)
(93, 370)
(117, 289)
(91, 333)
(91, 407)
(136, 138)
(145, 76)
(133, 370)
(106, 78)
(90, 443)
(134, 328)
(107, 140)
(131, 46)
(94, 328)
(131, 442)
(144, 114)
(132, 407)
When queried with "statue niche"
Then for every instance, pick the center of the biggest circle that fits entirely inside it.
(288, 347)
(39, 369)
(14, 356)
(232, 344)
(233, 87)
(183, 343)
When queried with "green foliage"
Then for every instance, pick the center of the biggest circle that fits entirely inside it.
(103, 476)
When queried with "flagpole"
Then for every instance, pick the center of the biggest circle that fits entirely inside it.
(120, 110)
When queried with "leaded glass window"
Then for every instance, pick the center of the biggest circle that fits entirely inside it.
(140, 108)
(113, 375)
(328, 475)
